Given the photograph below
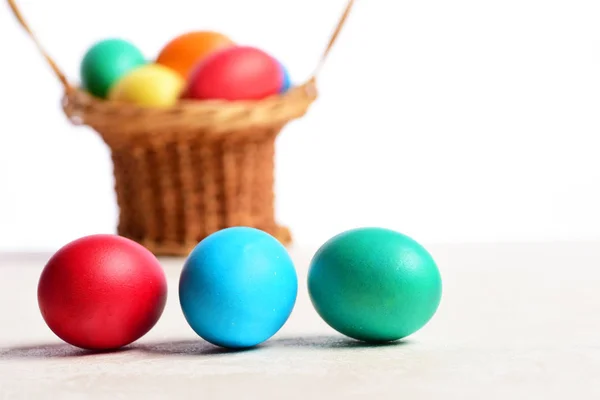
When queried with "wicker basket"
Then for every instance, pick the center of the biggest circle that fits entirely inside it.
(188, 171)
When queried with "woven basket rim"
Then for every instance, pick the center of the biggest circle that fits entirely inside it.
(212, 116)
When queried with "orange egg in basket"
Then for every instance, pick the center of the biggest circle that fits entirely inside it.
(185, 51)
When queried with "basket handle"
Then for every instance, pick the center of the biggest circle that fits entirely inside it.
(67, 86)
(333, 38)
(59, 74)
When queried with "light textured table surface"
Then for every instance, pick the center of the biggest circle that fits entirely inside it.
(516, 322)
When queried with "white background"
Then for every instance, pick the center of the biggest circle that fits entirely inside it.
(461, 120)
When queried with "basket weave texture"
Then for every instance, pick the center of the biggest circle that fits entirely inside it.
(180, 174)
(184, 172)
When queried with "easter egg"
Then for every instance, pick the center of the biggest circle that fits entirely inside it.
(238, 287)
(287, 83)
(102, 292)
(151, 85)
(186, 50)
(106, 62)
(374, 284)
(236, 73)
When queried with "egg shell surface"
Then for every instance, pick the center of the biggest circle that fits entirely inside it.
(236, 73)
(374, 284)
(238, 287)
(102, 292)
(106, 62)
(185, 51)
(287, 82)
(152, 85)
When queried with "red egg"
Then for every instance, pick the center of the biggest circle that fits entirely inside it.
(102, 292)
(235, 73)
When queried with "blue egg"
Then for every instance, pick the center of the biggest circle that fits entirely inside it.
(287, 83)
(238, 287)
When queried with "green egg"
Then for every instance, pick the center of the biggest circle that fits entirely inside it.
(106, 62)
(374, 284)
